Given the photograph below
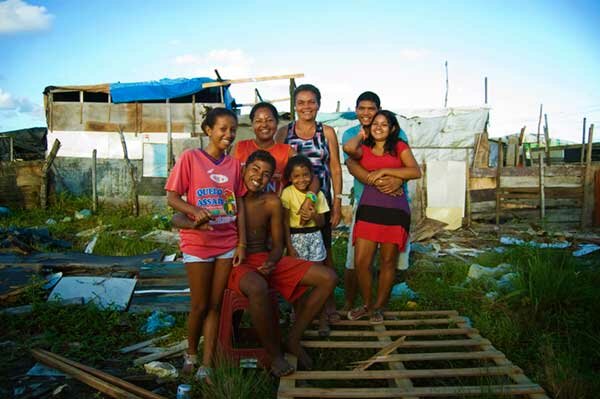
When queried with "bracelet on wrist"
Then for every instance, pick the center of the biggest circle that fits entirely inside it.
(241, 245)
(311, 196)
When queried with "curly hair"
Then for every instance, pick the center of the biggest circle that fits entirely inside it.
(297, 160)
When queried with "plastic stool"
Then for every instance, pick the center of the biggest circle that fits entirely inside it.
(232, 301)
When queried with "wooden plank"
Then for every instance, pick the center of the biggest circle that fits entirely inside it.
(519, 377)
(499, 180)
(103, 386)
(391, 347)
(419, 357)
(588, 202)
(179, 347)
(408, 322)
(459, 391)
(45, 168)
(403, 383)
(396, 374)
(94, 183)
(127, 386)
(250, 80)
(405, 344)
(390, 333)
(140, 345)
(133, 191)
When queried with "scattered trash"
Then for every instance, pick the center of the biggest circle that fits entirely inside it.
(402, 289)
(477, 271)
(411, 305)
(89, 248)
(506, 282)
(4, 211)
(39, 369)
(506, 240)
(492, 295)
(50, 222)
(162, 236)
(93, 231)
(29, 239)
(338, 292)
(59, 389)
(158, 320)
(403, 258)
(66, 219)
(248, 363)
(585, 249)
(161, 369)
(82, 214)
(468, 322)
(500, 250)
(169, 258)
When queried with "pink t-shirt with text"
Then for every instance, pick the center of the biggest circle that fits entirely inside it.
(214, 187)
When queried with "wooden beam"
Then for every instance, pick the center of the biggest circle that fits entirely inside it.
(140, 345)
(133, 191)
(391, 347)
(547, 139)
(250, 80)
(292, 88)
(169, 138)
(588, 184)
(498, 180)
(583, 142)
(360, 374)
(94, 183)
(45, 168)
(405, 344)
(391, 333)
(420, 357)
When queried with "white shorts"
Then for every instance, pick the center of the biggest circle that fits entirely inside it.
(187, 258)
(309, 246)
(402, 263)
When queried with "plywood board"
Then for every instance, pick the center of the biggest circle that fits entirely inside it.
(103, 291)
(446, 184)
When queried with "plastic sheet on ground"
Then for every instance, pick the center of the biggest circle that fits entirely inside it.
(507, 240)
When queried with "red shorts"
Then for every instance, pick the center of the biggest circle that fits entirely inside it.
(285, 278)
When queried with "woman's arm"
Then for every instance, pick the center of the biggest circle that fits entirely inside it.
(288, 237)
(280, 135)
(200, 214)
(409, 171)
(336, 174)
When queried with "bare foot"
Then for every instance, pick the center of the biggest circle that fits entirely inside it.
(280, 367)
(297, 350)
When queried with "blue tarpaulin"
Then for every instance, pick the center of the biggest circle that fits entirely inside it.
(161, 90)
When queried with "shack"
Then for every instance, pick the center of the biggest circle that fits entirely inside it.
(154, 119)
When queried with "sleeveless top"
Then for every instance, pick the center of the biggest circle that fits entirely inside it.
(316, 149)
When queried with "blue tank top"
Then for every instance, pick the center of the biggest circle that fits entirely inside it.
(316, 149)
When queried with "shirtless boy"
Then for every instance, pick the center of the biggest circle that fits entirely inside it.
(264, 268)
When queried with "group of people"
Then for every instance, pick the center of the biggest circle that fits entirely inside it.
(281, 192)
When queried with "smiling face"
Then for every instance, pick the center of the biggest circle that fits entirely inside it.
(264, 125)
(365, 111)
(301, 177)
(256, 175)
(380, 128)
(307, 105)
(222, 133)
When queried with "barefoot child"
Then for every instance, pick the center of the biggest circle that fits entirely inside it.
(211, 183)
(303, 226)
(381, 219)
(265, 267)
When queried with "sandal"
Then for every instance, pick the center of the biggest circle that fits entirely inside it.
(189, 363)
(376, 317)
(358, 313)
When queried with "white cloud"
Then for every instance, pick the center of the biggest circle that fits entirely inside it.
(18, 16)
(231, 64)
(11, 105)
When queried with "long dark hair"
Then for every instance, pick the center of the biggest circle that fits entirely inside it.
(392, 139)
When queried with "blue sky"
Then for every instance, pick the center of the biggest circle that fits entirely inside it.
(531, 51)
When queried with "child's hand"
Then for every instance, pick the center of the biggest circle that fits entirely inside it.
(307, 213)
(373, 176)
(266, 268)
(239, 255)
(201, 216)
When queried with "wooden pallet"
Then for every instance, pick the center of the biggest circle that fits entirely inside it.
(408, 350)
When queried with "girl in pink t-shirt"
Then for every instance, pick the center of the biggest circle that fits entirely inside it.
(211, 182)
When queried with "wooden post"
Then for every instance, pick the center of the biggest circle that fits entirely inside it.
(81, 107)
(424, 190)
(583, 142)
(292, 104)
(538, 128)
(94, 183)
(467, 188)
(193, 115)
(337, 107)
(169, 138)
(133, 192)
(51, 111)
(547, 139)
(588, 188)
(521, 148)
(446, 97)
(109, 106)
(45, 168)
(541, 179)
(11, 146)
(498, 176)
(486, 91)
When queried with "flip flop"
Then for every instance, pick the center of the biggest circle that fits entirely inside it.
(358, 313)
(189, 363)
(333, 317)
(282, 373)
(203, 374)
